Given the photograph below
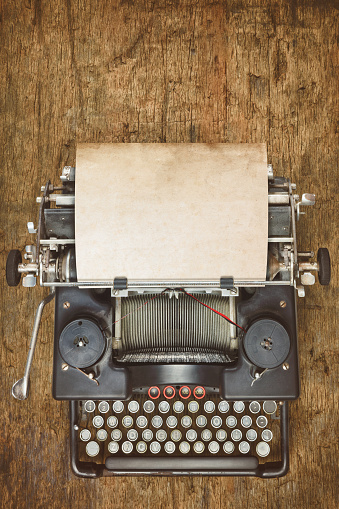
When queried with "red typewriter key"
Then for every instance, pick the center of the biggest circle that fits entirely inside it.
(169, 392)
(199, 392)
(184, 392)
(154, 392)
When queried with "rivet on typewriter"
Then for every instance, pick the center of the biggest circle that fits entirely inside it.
(286, 366)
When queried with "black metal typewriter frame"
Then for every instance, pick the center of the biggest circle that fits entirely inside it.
(247, 466)
(120, 382)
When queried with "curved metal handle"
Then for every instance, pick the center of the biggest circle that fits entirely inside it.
(20, 388)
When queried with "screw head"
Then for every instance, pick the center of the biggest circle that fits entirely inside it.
(64, 366)
(282, 304)
(66, 305)
(286, 366)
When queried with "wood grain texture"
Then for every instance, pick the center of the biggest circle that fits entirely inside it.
(166, 71)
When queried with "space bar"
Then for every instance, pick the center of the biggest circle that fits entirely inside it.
(180, 464)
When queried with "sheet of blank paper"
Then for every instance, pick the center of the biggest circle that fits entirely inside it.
(171, 211)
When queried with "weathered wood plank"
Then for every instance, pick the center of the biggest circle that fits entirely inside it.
(188, 71)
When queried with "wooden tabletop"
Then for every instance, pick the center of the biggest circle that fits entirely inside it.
(166, 71)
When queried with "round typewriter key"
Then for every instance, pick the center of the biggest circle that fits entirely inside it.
(269, 407)
(101, 435)
(193, 406)
(254, 407)
(169, 447)
(209, 407)
(191, 435)
(236, 435)
(141, 421)
(169, 392)
(186, 421)
(246, 421)
(176, 435)
(149, 406)
(154, 392)
(147, 435)
(133, 406)
(223, 406)
(141, 447)
(118, 407)
(228, 447)
(206, 435)
(199, 392)
(216, 421)
(267, 435)
(112, 421)
(164, 406)
(113, 447)
(161, 435)
(156, 421)
(199, 447)
(98, 421)
(171, 421)
(155, 447)
(85, 435)
(251, 435)
(263, 449)
(116, 435)
(92, 449)
(184, 447)
(201, 421)
(178, 407)
(184, 392)
(213, 447)
(262, 421)
(238, 406)
(127, 421)
(221, 435)
(132, 435)
(244, 447)
(89, 406)
(103, 407)
(231, 421)
(127, 447)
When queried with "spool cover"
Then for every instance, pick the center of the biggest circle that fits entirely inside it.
(81, 343)
(267, 343)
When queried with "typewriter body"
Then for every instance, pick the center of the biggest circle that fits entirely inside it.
(172, 377)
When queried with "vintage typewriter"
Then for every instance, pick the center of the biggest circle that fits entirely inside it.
(172, 377)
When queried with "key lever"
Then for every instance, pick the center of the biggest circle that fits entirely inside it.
(21, 387)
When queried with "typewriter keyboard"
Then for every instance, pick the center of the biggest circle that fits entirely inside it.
(182, 421)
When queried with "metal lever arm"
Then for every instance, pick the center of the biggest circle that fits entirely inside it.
(20, 388)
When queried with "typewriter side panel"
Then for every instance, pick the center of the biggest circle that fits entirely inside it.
(246, 380)
(103, 380)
